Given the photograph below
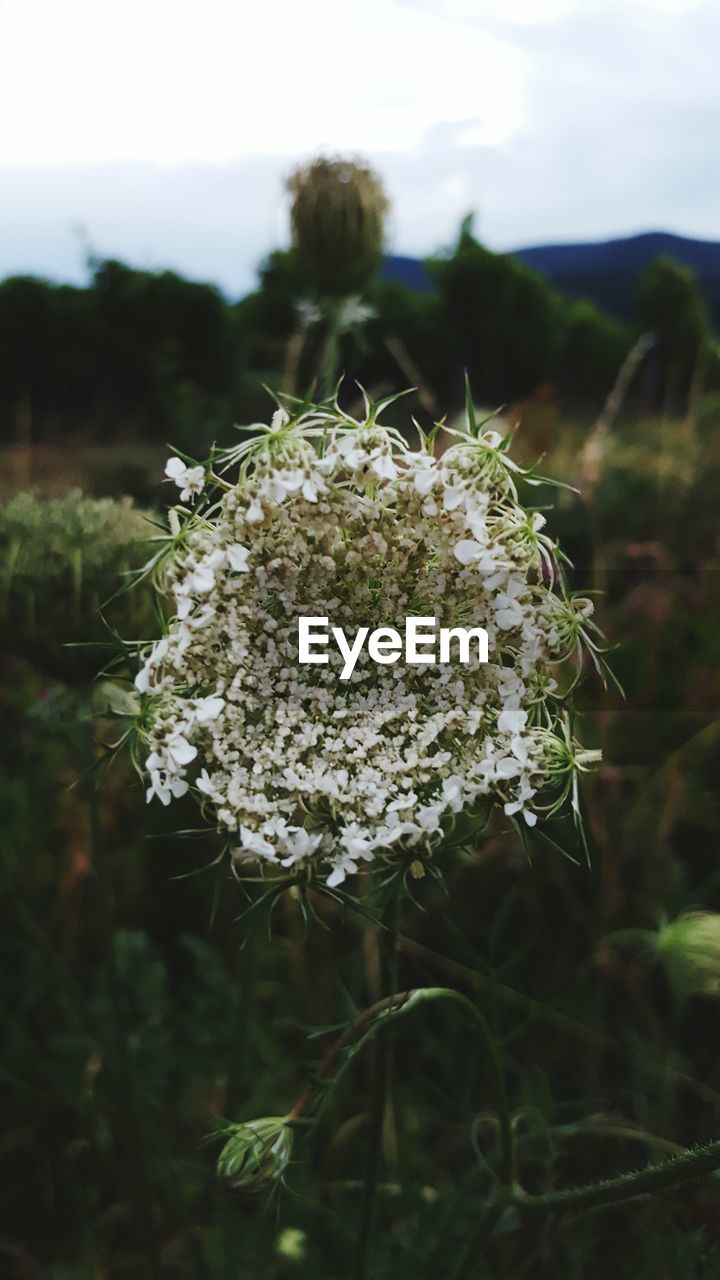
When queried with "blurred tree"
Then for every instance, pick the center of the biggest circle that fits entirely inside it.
(151, 356)
(26, 359)
(592, 349)
(671, 305)
(156, 335)
(136, 353)
(504, 320)
(268, 316)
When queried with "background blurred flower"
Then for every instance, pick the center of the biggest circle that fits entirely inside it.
(338, 218)
(689, 948)
(61, 561)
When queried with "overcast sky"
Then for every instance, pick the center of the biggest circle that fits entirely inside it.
(160, 131)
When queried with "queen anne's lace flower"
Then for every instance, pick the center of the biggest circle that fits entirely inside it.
(337, 518)
(189, 480)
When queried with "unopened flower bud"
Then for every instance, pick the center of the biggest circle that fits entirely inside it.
(689, 948)
(256, 1154)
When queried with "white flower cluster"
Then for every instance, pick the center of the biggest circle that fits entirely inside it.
(338, 518)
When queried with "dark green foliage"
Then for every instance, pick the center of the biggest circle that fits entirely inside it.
(671, 306)
(513, 333)
(503, 319)
(592, 350)
(136, 1022)
(154, 358)
(268, 317)
(136, 352)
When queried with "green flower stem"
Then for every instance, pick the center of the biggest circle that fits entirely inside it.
(331, 352)
(592, 1037)
(239, 1067)
(598, 1128)
(378, 1017)
(691, 1166)
(466, 1267)
(140, 1191)
(383, 943)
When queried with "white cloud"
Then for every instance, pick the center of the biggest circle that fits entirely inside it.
(528, 12)
(171, 81)
(167, 128)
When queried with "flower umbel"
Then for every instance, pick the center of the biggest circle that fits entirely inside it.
(339, 518)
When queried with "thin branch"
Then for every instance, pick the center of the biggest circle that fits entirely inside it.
(378, 1017)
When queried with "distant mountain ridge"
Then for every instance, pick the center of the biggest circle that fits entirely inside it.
(607, 272)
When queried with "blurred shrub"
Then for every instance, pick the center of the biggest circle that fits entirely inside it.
(61, 560)
(660, 482)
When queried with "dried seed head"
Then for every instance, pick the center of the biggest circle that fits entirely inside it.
(337, 218)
